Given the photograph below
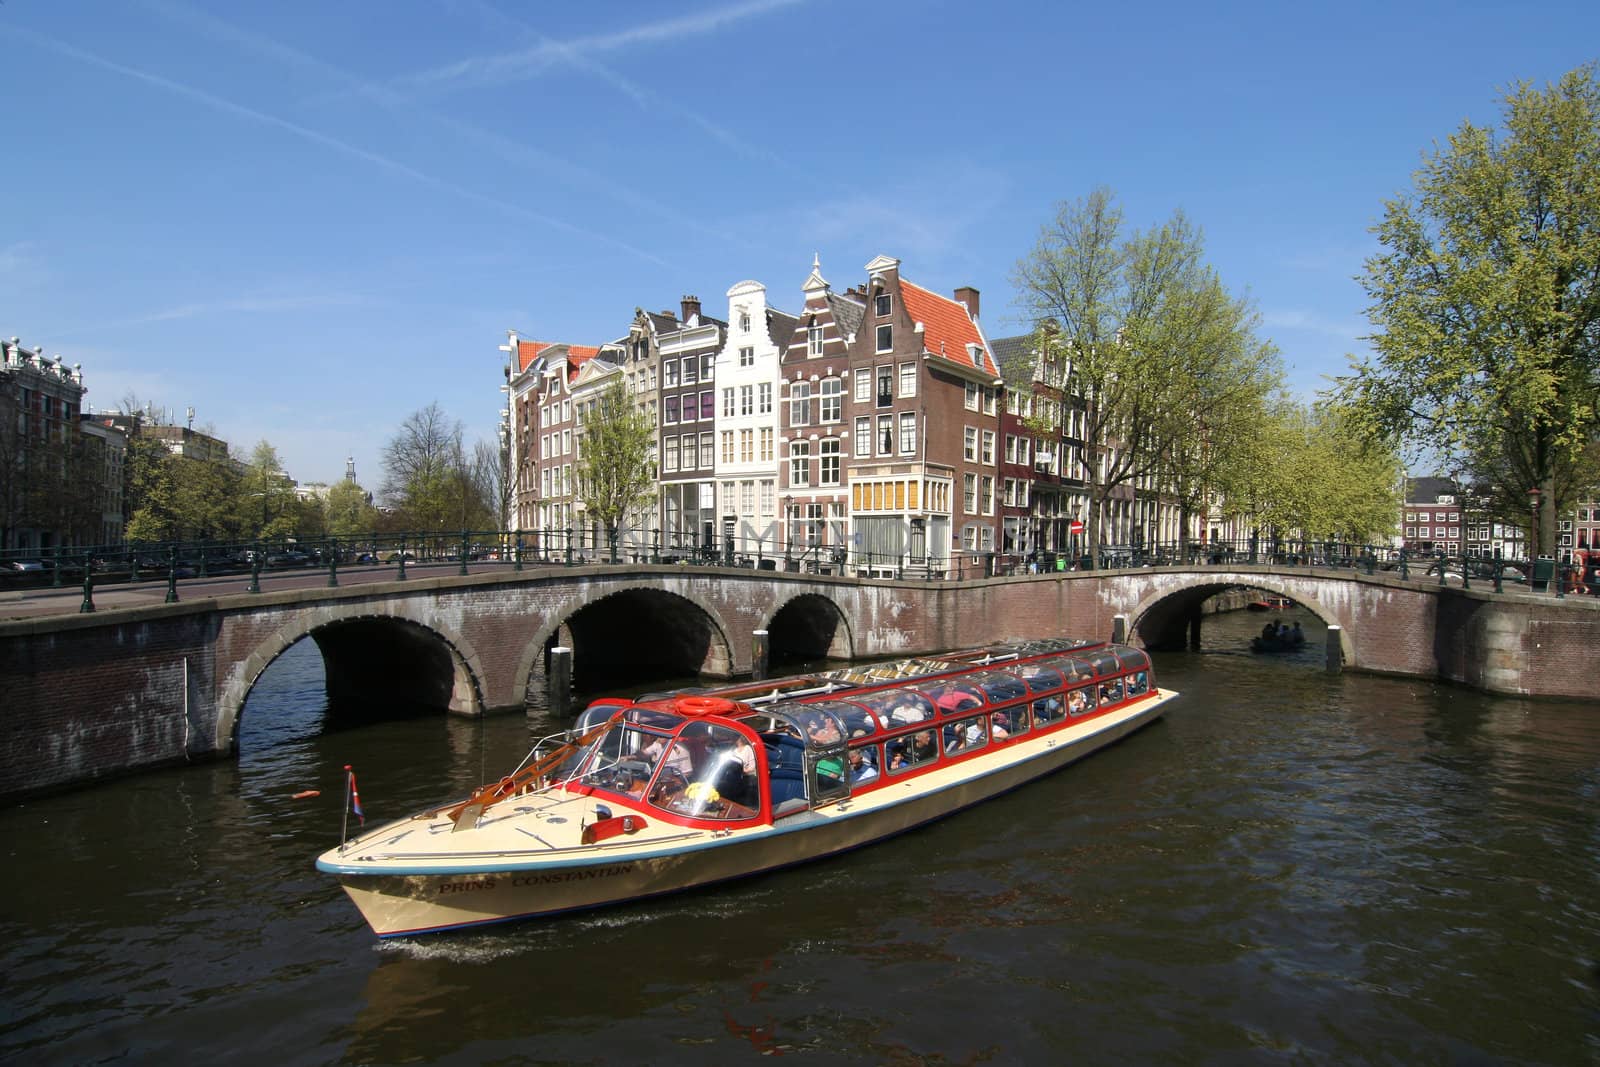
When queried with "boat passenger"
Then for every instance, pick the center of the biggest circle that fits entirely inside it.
(923, 747)
(1047, 709)
(1269, 631)
(1000, 725)
(1297, 635)
(862, 769)
(1111, 692)
(1077, 702)
(822, 730)
(899, 759)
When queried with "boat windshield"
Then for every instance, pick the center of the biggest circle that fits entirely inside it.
(704, 770)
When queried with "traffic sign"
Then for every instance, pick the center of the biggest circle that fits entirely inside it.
(1076, 526)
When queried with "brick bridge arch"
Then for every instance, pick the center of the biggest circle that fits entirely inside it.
(401, 656)
(153, 684)
(1170, 617)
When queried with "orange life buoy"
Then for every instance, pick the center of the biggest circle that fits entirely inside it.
(704, 705)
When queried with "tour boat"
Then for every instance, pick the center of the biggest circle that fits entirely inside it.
(1271, 603)
(672, 791)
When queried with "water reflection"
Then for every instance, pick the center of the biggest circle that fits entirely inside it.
(1289, 865)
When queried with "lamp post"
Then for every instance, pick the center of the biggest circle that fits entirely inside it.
(1533, 523)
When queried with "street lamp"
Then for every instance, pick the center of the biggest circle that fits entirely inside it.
(1533, 525)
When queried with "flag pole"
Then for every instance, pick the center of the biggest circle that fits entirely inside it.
(344, 818)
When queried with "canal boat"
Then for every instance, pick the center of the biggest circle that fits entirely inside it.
(1285, 642)
(672, 791)
(1270, 603)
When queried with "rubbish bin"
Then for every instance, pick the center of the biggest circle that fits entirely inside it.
(1544, 571)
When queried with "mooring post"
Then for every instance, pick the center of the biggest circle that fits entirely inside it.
(758, 655)
(1335, 649)
(560, 681)
(1119, 629)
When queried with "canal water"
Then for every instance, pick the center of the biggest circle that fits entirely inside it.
(1289, 868)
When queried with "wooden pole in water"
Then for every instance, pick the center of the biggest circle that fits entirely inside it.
(560, 682)
(759, 652)
(1335, 650)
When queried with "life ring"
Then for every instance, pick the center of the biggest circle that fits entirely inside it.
(704, 705)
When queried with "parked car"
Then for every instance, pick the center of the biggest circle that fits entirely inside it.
(25, 565)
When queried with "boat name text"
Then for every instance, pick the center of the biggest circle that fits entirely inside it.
(538, 878)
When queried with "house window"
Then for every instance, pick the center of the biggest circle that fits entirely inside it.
(800, 463)
(971, 399)
(863, 387)
(800, 404)
(708, 405)
(669, 455)
(969, 444)
(727, 402)
(765, 394)
(747, 401)
(830, 461)
(747, 356)
(986, 494)
(814, 341)
(908, 433)
(969, 493)
(863, 436)
(707, 455)
(885, 434)
(885, 338)
(744, 325)
(885, 303)
(686, 460)
(672, 410)
(708, 366)
(885, 387)
(1011, 450)
(831, 407)
(671, 377)
(989, 396)
(908, 379)
(727, 446)
(988, 448)
(691, 370)
(747, 447)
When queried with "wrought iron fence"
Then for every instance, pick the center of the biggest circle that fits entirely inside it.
(517, 549)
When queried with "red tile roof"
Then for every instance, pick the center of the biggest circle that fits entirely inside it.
(577, 355)
(947, 329)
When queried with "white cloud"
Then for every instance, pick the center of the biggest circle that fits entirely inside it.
(477, 71)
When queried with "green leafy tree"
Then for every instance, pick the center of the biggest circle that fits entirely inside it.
(349, 510)
(1137, 328)
(1486, 300)
(1322, 477)
(614, 471)
(265, 499)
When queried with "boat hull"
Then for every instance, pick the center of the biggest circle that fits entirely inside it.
(415, 902)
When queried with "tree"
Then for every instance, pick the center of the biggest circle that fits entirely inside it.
(1320, 477)
(427, 479)
(1486, 300)
(1134, 325)
(349, 511)
(265, 498)
(614, 470)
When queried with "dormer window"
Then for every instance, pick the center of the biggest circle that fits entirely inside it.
(744, 321)
(814, 340)
(885, 304)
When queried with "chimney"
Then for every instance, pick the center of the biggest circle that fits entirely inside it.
(969, 296)
(691, 309)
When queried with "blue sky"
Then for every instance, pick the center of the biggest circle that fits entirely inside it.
(308, 220)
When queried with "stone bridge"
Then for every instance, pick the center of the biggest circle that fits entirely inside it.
(95, 694)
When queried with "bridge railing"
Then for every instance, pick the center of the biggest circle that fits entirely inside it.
(517, 549)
